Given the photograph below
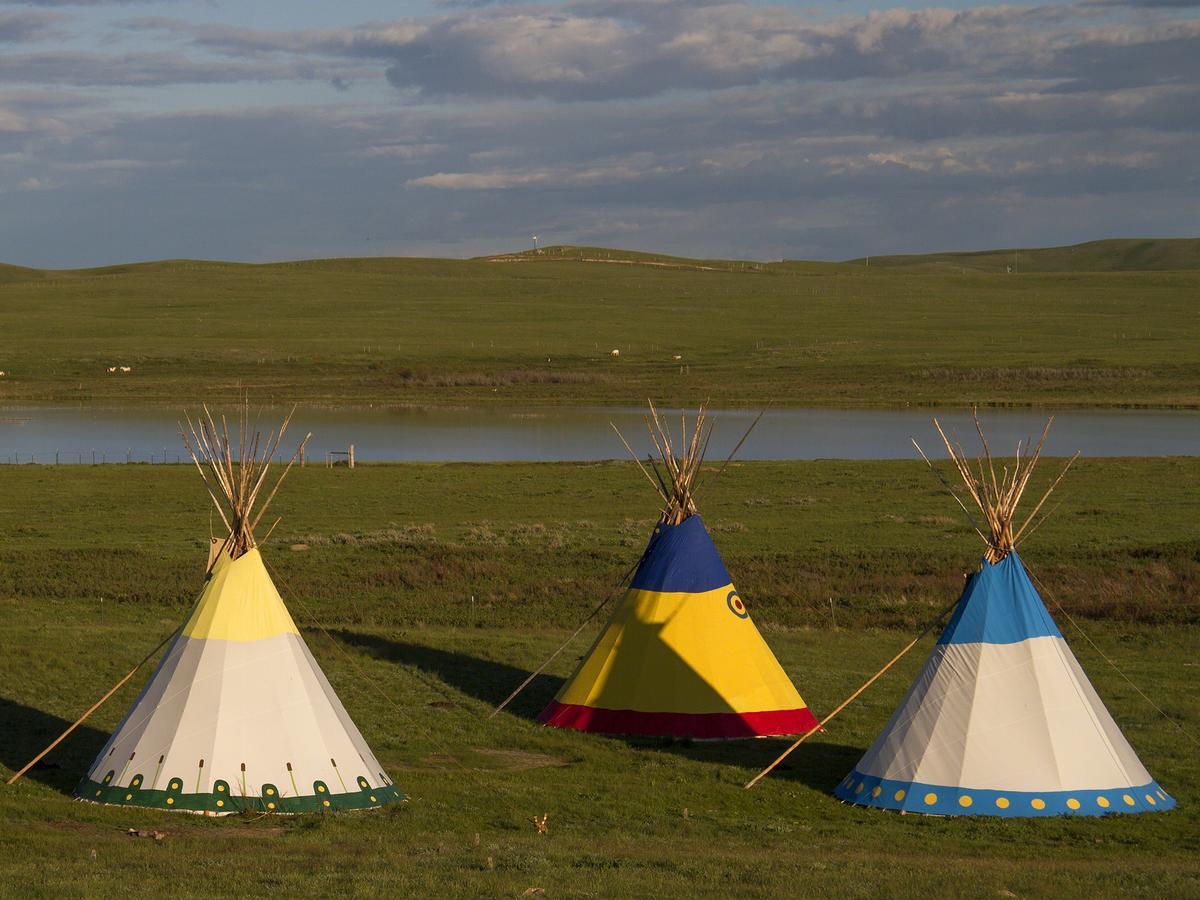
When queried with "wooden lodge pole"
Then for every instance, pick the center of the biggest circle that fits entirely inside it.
(820, 725)
(95, 706)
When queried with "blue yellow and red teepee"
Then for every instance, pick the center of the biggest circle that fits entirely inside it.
(680, 656)
(1002, 721)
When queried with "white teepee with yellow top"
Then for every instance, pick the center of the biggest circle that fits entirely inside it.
(238, 714)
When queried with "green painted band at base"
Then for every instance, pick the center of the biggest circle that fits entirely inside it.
(223, 801)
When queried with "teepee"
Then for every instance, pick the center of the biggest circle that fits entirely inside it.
(238, 715)
(1002, 720)
(680, 655)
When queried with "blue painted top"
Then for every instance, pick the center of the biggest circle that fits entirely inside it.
(681, 559)
(999, 606)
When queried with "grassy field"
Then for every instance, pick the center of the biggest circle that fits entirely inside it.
(428, 591)
(540, 330)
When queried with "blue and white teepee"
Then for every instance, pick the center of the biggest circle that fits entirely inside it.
(1002, 720)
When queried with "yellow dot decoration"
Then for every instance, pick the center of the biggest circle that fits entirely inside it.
(1002, 802)
(220, 803)
(1037, 803)
(137, 781)
(1072, 803)
(373, 800)
(97, 793)
(270, 806)
(326, 802)
(1102, 802)
(321, 788)
(170, 801)
(129, 796)
(270, 792)
(174, 785)
(1128, 800)
(859, 789)
(930, 799)
(876, 791)
(221, 787)
(965, 801)
(899, 795)
(1150, 799)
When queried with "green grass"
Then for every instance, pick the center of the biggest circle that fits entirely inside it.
(540, 330)
(379, 566)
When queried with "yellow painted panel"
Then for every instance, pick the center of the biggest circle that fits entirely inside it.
(240, 603)
(685, 653)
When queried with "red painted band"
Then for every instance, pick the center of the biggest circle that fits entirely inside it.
(666, 724)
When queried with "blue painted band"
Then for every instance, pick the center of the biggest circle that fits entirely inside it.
(681, 559)
(941, 800)
(999, 606)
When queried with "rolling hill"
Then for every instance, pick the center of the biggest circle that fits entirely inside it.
(1117, 255)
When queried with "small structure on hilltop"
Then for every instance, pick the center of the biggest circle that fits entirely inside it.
(680, 655)
(238, 715)
(1002, 721)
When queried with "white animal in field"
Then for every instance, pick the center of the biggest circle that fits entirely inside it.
(2, 374)
(615, 353)
(111, 369)
(677, 357)
(126, 369)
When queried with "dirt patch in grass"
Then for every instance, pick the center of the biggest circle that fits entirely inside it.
(520, 760)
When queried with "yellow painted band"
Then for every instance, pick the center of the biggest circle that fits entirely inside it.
(239, 603)
(684, 653)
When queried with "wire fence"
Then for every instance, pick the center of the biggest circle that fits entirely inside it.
(94, 456)
(91, 456)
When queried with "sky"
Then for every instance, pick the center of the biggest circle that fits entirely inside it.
(258, 131)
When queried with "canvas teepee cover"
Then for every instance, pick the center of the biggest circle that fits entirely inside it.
(1002, 720)
(680, 655)
(238, 714)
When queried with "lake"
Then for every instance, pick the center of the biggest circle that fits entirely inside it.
(77, 435)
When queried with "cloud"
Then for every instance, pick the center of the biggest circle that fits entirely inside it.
(23, 27)
(59, 3)
(601, 173)
(1149, 4)
(614, 49)
(87, 69)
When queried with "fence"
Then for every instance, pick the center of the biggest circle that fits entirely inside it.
(131, 456)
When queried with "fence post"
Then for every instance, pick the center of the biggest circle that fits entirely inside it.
(351, 455)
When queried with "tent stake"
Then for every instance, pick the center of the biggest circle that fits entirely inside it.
(95, 706)
(895, 659)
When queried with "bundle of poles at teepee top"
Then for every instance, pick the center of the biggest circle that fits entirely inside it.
(673, 477)
(234, 477)
(997, 496)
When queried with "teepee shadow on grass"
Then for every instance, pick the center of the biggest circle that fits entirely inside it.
(483, 679)
(25, 732)
(818, 764)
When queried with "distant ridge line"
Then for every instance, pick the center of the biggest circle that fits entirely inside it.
(1110, 255)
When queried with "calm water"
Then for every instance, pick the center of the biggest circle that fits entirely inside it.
(118, 435)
